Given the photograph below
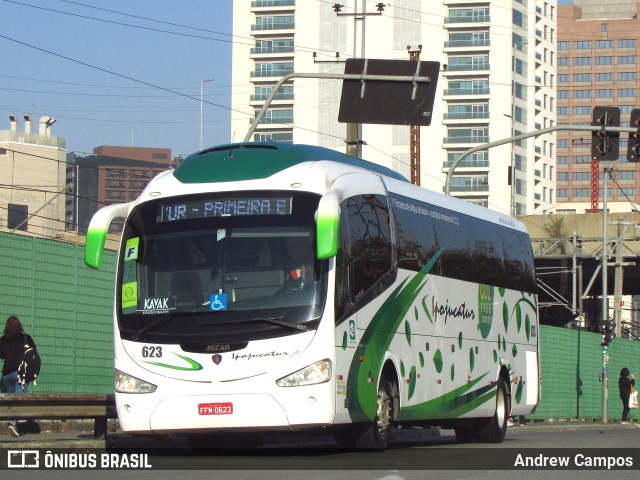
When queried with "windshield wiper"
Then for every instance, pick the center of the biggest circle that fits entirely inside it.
(159, 321)
(274, 321)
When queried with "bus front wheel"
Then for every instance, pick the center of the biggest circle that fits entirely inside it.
(377, 434)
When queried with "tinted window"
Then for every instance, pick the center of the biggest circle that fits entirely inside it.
(365, 255)
(416, 240)
(487, 253)
(451, 235)
(204, 278)
(474, 250)
(513, 262)
(343, 269)
(370, 238)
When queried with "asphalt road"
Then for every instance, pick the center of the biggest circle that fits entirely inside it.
(415, 454)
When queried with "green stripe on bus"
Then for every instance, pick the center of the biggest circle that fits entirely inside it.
(361, 390)
(193, 365)
(452, 404)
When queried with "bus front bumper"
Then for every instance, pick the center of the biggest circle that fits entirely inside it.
(240, 411)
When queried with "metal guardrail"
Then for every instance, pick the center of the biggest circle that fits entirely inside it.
(60, 406)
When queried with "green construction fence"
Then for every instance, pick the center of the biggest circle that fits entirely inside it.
(65, 306)
(68, 308)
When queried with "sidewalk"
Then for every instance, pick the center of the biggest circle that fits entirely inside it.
(79, 438)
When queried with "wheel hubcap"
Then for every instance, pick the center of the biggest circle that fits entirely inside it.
(384, 411)
(501, 414)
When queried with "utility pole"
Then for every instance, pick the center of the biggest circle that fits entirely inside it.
(595, 185)
(605, 305)
(414, 130)
(354, 130)
(512, 160)
(619, 277)
(617, 290)
(202, 82)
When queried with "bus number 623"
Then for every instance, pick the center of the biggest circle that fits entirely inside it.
(154, 352)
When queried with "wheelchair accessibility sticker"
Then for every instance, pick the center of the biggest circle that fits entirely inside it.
(218, 302)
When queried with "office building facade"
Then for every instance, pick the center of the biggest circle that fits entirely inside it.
(597, 66)
(110, 175)
(497, 80)
(32, 178)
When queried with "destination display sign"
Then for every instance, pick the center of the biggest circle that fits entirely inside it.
(223, 207)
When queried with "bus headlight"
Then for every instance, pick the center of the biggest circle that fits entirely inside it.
(125, 383)
(319, 372)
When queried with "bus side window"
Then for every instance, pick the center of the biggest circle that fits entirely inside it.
(529, 267)
(343, 269)
(487, 253)
(370, 236)
(513, 260)
(453, 237)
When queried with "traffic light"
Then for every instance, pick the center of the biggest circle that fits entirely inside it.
(607, 335)
(633, 149)
(605, 145)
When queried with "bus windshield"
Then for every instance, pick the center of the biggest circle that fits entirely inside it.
(220, 268)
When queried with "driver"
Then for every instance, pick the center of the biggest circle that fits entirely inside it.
(300, 276)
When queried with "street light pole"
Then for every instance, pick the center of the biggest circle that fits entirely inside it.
(512, 167)
(202, 82)
(605, 297)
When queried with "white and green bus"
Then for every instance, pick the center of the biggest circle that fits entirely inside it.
(277, 287)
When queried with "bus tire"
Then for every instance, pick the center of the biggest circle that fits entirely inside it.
(467, 432)
(377, 434)
(494, 429)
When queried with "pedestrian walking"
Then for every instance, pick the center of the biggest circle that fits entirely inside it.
(12, 346)
(625, 384)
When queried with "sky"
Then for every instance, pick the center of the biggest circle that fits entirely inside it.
(119, 72)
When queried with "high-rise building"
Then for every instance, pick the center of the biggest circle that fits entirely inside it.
(32, 178)
(597, 66)
(497, 80)
(110, 175)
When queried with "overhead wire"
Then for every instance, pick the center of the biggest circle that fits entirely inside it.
(623, 191)
(127, 77)
(120, 13)
(44, 226)
(172, 91)
(249, 40)
(218, 105)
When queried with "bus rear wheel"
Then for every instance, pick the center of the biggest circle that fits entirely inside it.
(377, 434)
(494, 429)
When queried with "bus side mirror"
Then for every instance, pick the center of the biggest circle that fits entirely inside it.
(98, 230)
(327, 222)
